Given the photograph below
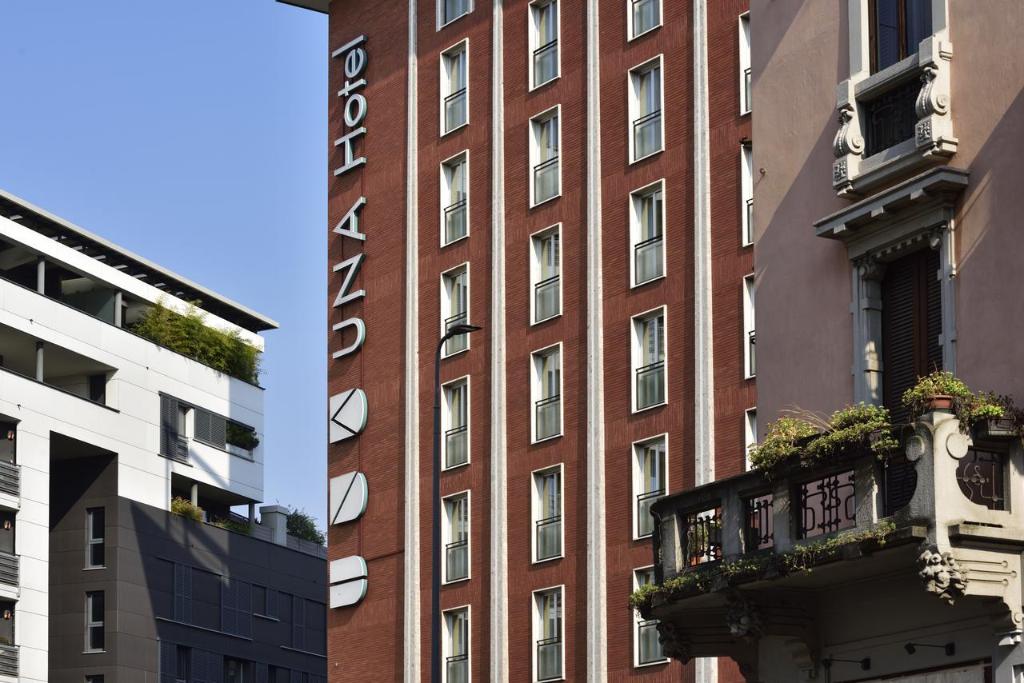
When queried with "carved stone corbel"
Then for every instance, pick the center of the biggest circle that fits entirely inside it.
(743, 617)
(675, 643)
(848, 144)
(941, 574)
(934, 128)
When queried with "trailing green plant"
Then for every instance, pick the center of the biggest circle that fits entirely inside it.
(858, 425)
(302, 525)
(233, 525)
(243, 437)
(968, 406)
(802, 559)
(190, 336)
(783, 440)
(185, 508)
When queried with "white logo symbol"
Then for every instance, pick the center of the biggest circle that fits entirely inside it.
(348, 581)
(347, 414)
(349, 494)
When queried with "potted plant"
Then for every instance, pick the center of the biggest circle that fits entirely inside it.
(938, 391)
(995, 418)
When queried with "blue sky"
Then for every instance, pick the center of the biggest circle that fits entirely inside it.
(192, 132)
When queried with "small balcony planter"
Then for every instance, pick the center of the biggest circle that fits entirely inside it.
(939, 402)
(995, 429)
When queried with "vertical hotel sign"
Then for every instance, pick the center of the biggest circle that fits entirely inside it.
(347, 411)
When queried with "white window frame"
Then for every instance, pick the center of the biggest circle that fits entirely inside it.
(636, 626)
(536, 504)
(446, 641)
(634, 105)
(634, 231)
(638, 477)
(533, 40)
(445, 194)
(445, 86)
(749, 312)
(535, 267)
(749, 434)
(636, 354)
(536, 389)
(446, 310)
(534, 152)
(746, 193)
(744, 62)
(631, 35)
(446, 536)
(90, 540)
(441, 23)
(446, 421)
(538, 629)
(89, 624)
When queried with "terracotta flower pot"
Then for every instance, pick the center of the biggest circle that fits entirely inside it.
(940, 402)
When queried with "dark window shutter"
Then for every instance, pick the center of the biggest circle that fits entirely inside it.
(933, 307)
(168, 662)
(262, 673)
(168, 426)
(298, 623)
(228, 613)
(199, 674)
(211, 428)
(243, 593)
(182, 593)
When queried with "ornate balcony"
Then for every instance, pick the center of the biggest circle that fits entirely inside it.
(791, 573)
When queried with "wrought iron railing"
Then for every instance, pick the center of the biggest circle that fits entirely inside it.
(890, 118)
(759, 533)
(650, 385)
(456, 560)
(703, 539)
(548, 417)
(455, 221)
(546, 180)
(981, 476)
(545, 63)
(455, 446)
(644, 521)
(459, 342)
(647, 134)
(827, 504)
(549, 658)
(455, 110)
(547, 298)
(457, 669)
(645, 16)
(648, 259)
(10, 478)
(549, 537)
(9, 565)
(8, 660)
(648, 642)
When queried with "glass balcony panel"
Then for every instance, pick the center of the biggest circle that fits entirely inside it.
(549, 659)
(650, 646)
(645, 16)
(548, 420)
(650, 385)
(644, 519)
(456, 560)
(647, 135)
(455, 110)
(457, 669)
(455, 222)
(456, 446)
(549, 538)
(547, 298)
(648, 263)
(545, 63)
(546, 180)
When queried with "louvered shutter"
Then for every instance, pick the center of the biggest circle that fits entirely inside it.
(182, 593)
(298, 623)
(211, 428)
(228, 613)
(199, 666)
(168, 426)
(168, 662)
(243, 603)
(933, 308)
(262, 671)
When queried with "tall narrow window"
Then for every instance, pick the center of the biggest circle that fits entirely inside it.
(456, 537)
(645, 105)
(647, 646)
(749, 335)
(454, 199)
(747, 194)
(643, 16)
(547, 630)
(454, 90)
(456, 645)
(95, 632)
(543, 42)
(749, 435)
(649, 359)
(744, 54)
(897, 29)
(95, 525)
(649, 481)
(545, 272)
(647, 228)
(545, 174)
(455, 307)
(455, 423)
(450, 10)
(546, 391)
(547, 514)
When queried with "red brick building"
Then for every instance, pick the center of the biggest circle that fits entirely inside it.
(572, 177)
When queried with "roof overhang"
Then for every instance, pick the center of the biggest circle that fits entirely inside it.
(315, 5)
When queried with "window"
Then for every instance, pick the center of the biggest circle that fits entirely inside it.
(173, 429)
(546, 392)
(545, 168)
(897, 28)
(99, 679)
(744, 64)
(237, 671)
(455, 307)
(179, 421)
(95, 526)
(647, 228)
(749, 336)
(642, 16)
(455, 423)
(544, 51)
(647, 646)
(456, 537)
(94, 630)
(454, 88)
(236, 607)
(182, 593)
(747, 194)
(545, 274)
(547, 514)
(749, 434)
(182, 664)
(98, 388)
(263, 601)
(650, 481)
(450, 10)
(649, 360)
(454, 198)
(456, 645)
(547, 634)
(645, 105)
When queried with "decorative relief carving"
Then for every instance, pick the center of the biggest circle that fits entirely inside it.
(941, 574)
(934, 128)
(742, 617)
(848, 139)
(930, 100)
(675, 643)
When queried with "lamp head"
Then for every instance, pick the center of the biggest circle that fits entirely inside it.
(461, 329)
(909, 647)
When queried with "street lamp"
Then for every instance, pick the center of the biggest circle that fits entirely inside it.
(435, 574)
